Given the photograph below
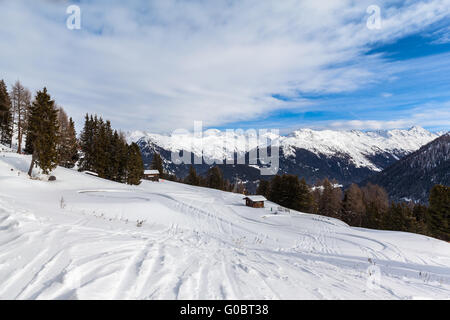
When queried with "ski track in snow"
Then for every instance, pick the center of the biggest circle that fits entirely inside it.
(195, 243)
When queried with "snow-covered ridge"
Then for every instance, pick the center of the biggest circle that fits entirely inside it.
(357, 145)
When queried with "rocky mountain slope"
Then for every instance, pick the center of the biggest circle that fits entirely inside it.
(412, 177)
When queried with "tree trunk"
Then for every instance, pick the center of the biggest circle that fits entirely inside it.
(19, 147)
(33, 160)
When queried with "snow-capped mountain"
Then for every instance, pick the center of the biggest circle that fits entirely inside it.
(347, 156)
(360, 146)
(413, 176)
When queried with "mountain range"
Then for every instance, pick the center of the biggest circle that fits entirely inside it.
(346, 156)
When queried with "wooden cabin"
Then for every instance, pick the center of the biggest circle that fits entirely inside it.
(255, 201)
(152, 175)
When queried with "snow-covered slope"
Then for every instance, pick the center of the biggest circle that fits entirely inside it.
(358, 146)
(84, 237)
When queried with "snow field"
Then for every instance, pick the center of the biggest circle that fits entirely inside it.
(82, 237)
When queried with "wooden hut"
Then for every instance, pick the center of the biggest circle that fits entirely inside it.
(255, 201)
(152, 175)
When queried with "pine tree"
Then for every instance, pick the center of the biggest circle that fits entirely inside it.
(135, 165)
(263, 188)
(43, 124)
(100, 148)
(67, 141)
(115, 151)
(6, 121)
(353, 208)
(304, 196)
(157, 164)
(291, 193)
(215, 178)
(439, 212)
(330, 203)
(192, 178)
(275, 190)
(122, 155)
(28, 139)
(316, 195)
(377, 204)
(87, 144)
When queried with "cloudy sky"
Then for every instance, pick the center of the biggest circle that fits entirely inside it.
(159, 65)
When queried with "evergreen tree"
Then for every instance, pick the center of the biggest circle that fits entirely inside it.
(377, 204)
(43, 124)
(100, 148)
(353, 208)
(114, 162)
(275, 189)
(135, 165)
(192, 178)
(121, 158)
(28, 139)
(288, 191)
(420, 213)
(67, 141)
(439, 212)
(316, 195)
(305, 198)
(399, 218)
(6, 121)
(157, 164)
(87, 144)
(215, 178)
(263, 188)
(330, 202)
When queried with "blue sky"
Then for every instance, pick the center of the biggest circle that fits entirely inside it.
(161, 65)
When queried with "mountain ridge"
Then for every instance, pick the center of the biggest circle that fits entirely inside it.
(349, 156)
(412, 177)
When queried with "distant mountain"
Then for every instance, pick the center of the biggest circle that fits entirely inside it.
(412, 177)
(347, 156)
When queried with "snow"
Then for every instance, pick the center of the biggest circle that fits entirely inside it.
(83, 237)
(357, 145)
(91, 173)
(151, 172)
(256, 198)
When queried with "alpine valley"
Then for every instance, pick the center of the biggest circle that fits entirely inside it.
(346, 156)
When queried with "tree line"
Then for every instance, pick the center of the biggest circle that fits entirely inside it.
(106, 152)
(213, 178)
(367, 207)
(51, 139)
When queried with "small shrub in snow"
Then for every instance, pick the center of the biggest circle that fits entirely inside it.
(62, 203)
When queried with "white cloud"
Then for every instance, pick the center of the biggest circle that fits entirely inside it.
(160, 65)
(428, 115)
